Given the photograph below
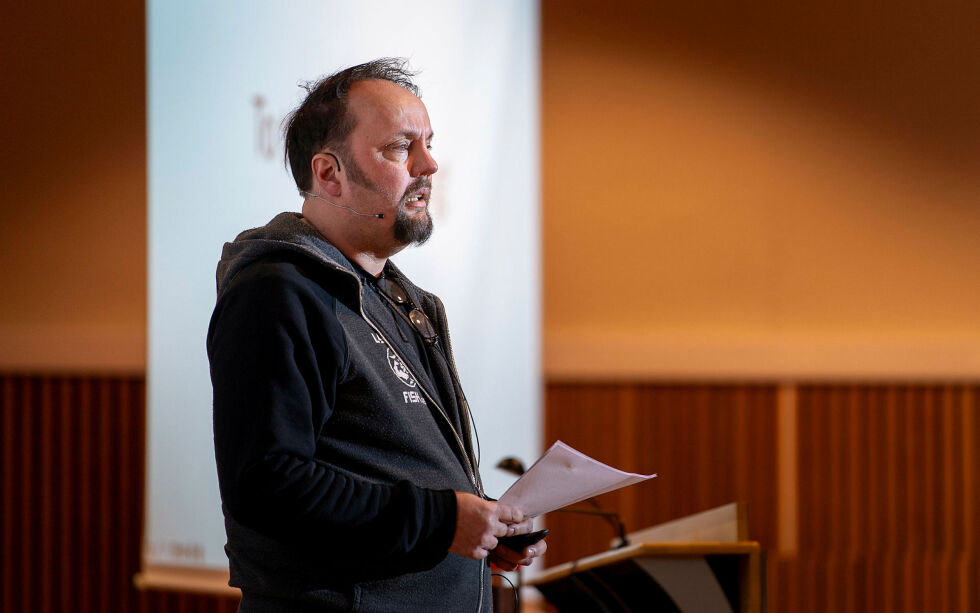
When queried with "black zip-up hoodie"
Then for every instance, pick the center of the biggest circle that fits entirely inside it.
(337, 463)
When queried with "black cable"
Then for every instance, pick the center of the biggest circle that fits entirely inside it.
(517, 598)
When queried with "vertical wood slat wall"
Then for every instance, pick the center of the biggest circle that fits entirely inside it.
(709, 445)
(71, 482)
(887, 487)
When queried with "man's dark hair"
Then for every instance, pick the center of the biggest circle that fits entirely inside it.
(322, 119)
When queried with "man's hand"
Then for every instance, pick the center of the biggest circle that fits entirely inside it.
(507, 559)
(479, 522)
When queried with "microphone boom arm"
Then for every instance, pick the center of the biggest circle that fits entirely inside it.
(611, 517)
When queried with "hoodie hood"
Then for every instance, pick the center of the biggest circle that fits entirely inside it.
(286, 232)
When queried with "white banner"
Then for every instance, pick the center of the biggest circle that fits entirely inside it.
(221, 77)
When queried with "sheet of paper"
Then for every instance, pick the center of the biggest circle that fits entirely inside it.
(564, 476)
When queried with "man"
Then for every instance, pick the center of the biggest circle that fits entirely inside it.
(343, 440)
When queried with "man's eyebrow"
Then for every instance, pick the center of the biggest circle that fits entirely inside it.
(412, 134)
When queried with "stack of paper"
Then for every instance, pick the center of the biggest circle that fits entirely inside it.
(564, 476)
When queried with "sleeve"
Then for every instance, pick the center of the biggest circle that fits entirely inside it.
(277, 353)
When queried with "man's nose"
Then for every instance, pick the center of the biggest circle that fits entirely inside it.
(424, 164)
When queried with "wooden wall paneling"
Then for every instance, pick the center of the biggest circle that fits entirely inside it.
(133, 466)
(912, 480)
(7, 439)
(880, 531)
(27, 533)
(44, 477)
(933, 543)
(723, 437)
(66, 418)
(690, 434)
(969, 552)
(887, 481)
(887, 487)
(11, 495)
(84, 526)
(588, 418)
(948, 528)
(102, 422)
(869, 527)
(72, 508)
(176, 602)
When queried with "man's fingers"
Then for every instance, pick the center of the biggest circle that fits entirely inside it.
(479, 523)
(508, 559)
(502, 562)
(533, 551)
(505, 553)
(503, 530)
(514, 519)
(477, 526)
(509, 514)
(524, 527)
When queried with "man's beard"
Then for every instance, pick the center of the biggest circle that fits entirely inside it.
(410, 230)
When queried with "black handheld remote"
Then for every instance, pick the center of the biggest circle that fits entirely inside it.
(519, 541)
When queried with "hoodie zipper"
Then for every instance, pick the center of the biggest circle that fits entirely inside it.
(483, 565)
(466, 403)
(475, 481)
(470, 471)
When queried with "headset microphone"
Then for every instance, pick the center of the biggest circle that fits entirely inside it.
(340, 206)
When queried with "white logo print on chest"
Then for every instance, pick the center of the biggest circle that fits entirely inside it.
(397, 367)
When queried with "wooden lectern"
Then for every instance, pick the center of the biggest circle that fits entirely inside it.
(723, 575)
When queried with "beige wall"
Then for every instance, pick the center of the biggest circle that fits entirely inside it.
(776, 192)
(780, 191)
(72, 258)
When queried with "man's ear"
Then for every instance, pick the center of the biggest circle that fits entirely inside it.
(326, 174)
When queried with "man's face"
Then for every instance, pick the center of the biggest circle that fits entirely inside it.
(388, 163)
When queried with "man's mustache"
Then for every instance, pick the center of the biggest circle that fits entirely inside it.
(417, 186)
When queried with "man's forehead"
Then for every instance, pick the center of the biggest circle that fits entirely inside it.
(384, 102)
